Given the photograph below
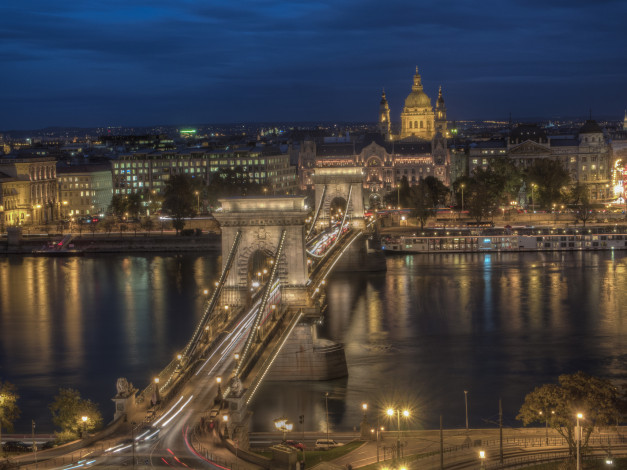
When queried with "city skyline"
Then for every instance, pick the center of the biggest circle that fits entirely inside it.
(155, 63)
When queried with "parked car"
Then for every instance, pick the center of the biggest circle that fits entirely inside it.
(295, 444)
(326, 444)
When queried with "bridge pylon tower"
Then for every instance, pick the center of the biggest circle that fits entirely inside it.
(343, 183)
(261, 222)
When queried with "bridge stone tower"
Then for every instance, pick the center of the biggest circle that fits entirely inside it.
(262, 221)
(333, 183)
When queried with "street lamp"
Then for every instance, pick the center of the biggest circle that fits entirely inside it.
(197, 201)
(282, 424)
(84, 419)
(578, 435)
(364, 406)
(482, 458)
(533, 199)
(390, 413)
(463, 186)
(157, 399)
(225, 419)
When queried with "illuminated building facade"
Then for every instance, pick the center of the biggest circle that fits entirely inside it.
(385, 163)
(586, 155)
(149, 171)
(84, 189)
(28, 191)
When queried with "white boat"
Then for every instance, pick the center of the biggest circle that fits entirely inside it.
(526, 239)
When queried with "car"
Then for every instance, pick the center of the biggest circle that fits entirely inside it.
(295, 444)
(326, 444)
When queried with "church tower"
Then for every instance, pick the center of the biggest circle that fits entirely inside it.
(417, 118)
(440, 115)
(384, 116)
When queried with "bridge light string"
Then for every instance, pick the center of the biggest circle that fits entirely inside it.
(313, 224)
(211, 305)
(274, 356)
(264, 300)
(317, 290)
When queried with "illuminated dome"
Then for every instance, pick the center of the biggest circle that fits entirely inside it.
(417, 98)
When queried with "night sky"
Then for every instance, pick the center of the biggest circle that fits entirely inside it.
(135, 62)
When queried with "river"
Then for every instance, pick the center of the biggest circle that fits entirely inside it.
(417, 336)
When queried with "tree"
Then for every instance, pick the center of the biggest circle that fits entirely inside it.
(107, 225)
(228, 182)
(507, 180)
(118, 205)
(580, 198)
(9, 411)
(438, 192)
(482, 194)
(148, 224)
(134, 204)
(422, 203)
(550, 176)
(68, 410)
(557, 406)
(400, 195)
(179, 200)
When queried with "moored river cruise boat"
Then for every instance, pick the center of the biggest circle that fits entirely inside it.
(521, 239)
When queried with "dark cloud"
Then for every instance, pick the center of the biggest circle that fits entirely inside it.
(93, 61)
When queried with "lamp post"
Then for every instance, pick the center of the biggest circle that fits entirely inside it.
(482, 458)
(533, 199)
(462, 185)
(225, 419)
(157, 397)
(197, 201)
(84, 419)
(34, 443)
(466, 404)
(391, 412)
(326, 404)
(578, 435)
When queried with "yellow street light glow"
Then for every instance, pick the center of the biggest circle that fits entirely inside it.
(406, 413)
(364, 406)
(84, 418)
(225, 418)
(206, 291)
(219, 379)
(179, 356)
(482, 454)
(390, 412)
(156, 380)
(580, 415)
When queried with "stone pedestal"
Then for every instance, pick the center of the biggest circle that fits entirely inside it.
(123, 406)
(306, 357)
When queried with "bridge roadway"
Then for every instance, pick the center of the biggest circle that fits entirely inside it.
(166, 440)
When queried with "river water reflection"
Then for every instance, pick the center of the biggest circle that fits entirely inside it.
(419, 335)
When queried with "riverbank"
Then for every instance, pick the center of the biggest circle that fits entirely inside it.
(141, 242)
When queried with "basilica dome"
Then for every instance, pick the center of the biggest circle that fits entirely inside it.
(417, 98)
